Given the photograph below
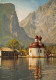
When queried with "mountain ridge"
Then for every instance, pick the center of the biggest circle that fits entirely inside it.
(42, 22)
(9, 26)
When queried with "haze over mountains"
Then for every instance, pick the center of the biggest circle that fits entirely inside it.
(9, 26)
(42, 22)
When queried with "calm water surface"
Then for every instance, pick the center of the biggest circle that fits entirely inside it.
(28, 69)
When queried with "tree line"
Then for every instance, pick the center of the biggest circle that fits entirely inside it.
(15, 44)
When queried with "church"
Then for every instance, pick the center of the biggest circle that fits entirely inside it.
(37, 48)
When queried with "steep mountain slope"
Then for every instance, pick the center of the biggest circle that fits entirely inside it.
(42, 22)
(9, 26)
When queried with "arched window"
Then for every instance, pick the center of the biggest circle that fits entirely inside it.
(30, 51)
(40, 51)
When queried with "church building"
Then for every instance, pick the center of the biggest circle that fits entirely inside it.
(37, 48)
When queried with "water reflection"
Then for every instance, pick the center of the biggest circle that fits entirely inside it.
(8, 63)
(34, 62)
(28, 69)
(37, 73)
(0, 61)
(50, 61)
(36, 65)
(43, 67)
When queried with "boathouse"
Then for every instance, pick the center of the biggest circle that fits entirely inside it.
(37, 48)
(8, 52)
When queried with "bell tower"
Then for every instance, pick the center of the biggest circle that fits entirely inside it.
(36, 38)
(40, 38)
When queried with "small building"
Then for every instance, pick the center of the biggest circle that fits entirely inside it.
(0, 53)
(8, 52)
(37, 48)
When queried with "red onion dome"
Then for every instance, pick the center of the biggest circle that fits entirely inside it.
(34, 45)
(31, 45)
(40, 38)
(36, 37)
(41, 45)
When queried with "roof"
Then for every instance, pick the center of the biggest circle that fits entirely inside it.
(6, 49)
(34, 45)
(41, 45)
(40, 38)
(37, 45)
(36, 37)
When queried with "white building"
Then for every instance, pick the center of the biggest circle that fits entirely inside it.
(37, 48)
(0, 53)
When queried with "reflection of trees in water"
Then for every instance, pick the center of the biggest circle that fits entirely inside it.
(50, 61)
(9, 63)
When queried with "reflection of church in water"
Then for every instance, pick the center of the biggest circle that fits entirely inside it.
(37, 48)
(38, 64)
(35, 64)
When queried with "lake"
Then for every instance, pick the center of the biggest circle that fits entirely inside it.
(28, 69)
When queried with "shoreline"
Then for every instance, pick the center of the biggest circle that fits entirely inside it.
(36, 57)
(27, 56)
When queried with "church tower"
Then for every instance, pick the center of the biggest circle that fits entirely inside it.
(37, 48)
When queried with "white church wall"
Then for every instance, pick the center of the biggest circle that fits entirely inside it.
(0, 53)
(42, 51)
(35, 51)
(30, 51)
(35, 40)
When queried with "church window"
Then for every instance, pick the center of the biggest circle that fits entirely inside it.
(40, 51)
(30, 51)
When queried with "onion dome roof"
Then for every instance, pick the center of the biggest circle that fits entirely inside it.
(41, 45)
(36, 37)
(40, 38)
(38, 44)
(34, 45)
(31, 45)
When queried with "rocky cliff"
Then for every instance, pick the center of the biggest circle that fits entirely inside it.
(42, 22)
(9, 26)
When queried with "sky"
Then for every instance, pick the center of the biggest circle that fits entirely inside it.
(24, 7)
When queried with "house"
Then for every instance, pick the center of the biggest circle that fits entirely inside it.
(8, 52)
(37, 48)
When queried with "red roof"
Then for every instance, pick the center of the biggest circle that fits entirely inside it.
(36, 45)
(36, 37)
(41, 45)
(40, 38)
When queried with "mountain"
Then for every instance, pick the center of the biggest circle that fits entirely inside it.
(42, 22)
(9, 26)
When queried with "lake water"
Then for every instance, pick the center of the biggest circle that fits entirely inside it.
(27, 69)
